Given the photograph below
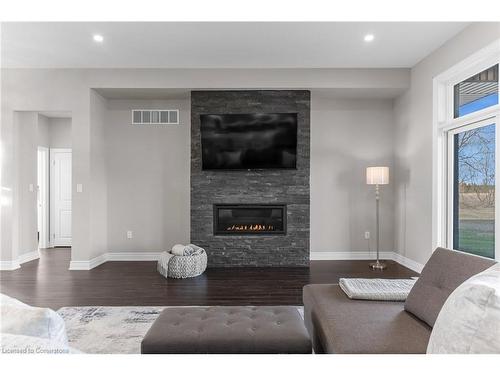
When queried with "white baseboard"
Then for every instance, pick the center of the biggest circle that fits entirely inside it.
(85, 265)
(348, 255)
(28, 257)
(407, 262)
(135, 256)
(9, 265)
(367, 255)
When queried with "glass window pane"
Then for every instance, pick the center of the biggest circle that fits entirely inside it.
(474, 191)
(477, 92)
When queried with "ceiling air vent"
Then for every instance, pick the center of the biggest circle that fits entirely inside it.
(155, 116)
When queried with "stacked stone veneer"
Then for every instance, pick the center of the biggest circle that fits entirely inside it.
(264, 186)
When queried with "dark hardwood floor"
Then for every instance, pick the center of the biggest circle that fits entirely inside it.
(48, 282)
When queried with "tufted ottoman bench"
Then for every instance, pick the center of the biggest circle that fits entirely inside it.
(227, 330)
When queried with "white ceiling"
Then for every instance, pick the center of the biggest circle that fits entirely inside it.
(221, 45)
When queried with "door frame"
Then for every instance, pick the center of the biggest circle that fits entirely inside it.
(43, 201)
(52, 192)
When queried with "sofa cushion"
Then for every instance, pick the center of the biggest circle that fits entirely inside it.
(341, 325)
(443, 273)
(469, 321)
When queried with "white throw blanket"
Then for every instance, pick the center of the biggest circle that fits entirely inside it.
(377, 289)
(162, 266)
(179, 249)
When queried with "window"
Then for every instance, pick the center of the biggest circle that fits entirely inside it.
(467, 111)
(471, 154)
(474, 189)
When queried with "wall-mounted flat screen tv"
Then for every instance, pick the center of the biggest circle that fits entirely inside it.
(249, 141)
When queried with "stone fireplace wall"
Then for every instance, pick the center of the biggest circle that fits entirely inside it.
(257, 187)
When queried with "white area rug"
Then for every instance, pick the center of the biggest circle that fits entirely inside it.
(109, 329)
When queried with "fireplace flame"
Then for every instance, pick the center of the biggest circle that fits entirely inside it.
(250, 228)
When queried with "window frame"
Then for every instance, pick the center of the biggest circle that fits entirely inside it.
(444, 126)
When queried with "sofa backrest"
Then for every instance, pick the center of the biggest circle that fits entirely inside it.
(442, 274)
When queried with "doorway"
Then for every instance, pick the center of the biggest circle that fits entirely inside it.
(54, 181)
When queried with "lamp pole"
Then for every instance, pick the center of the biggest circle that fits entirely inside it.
(377, 265)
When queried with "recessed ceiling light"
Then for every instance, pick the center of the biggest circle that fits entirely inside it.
(98, 38)
(369, 37)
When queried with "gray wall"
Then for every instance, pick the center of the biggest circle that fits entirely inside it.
(26, 128)
(43, 133)
(98, 183)
(54, 132)
(347, 135)
(148, 175)
(147, 178)
(267, 186)
(413, 143)
(60, 132)
(69, 90)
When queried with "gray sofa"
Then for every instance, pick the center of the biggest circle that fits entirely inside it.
(338, 324)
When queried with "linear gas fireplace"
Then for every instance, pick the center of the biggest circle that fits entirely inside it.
(249, 219)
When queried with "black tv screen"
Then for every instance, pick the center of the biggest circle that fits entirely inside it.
(249, 141)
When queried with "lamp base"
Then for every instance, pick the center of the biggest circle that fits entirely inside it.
(378, 265)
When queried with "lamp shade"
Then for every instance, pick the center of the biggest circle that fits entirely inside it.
(377, 175)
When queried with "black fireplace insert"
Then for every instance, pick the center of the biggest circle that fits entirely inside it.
(249, 219)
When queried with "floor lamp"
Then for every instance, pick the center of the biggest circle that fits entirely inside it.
(377, 176)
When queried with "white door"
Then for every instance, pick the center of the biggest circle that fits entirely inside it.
(60, 197)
